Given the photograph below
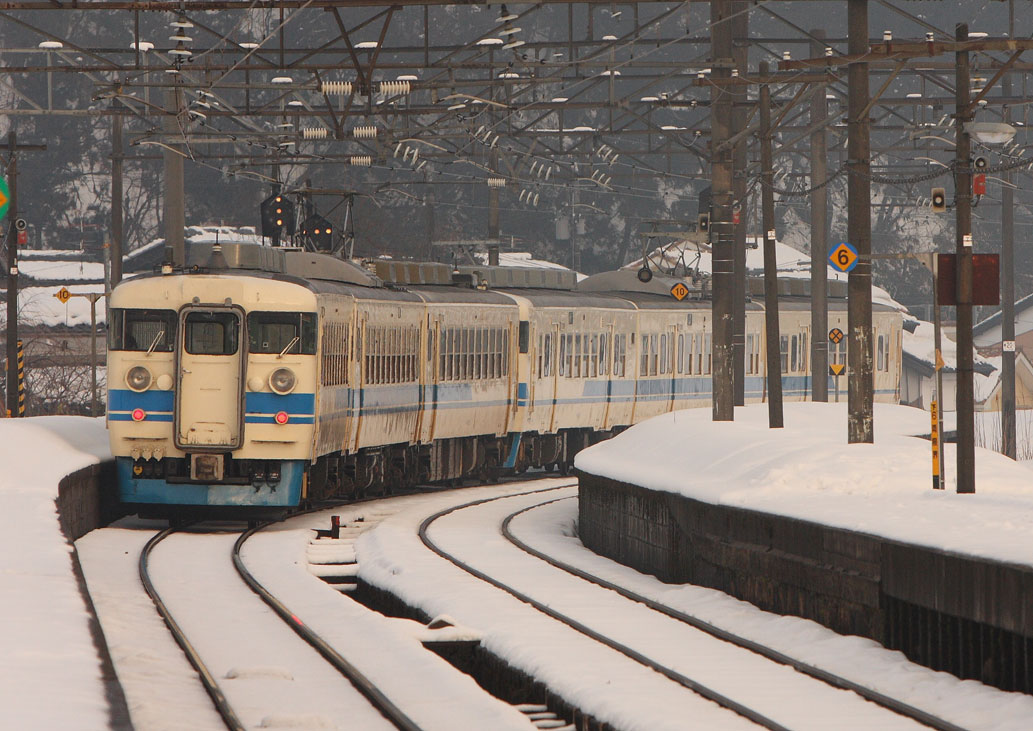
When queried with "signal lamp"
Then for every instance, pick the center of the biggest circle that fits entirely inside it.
(939, 200)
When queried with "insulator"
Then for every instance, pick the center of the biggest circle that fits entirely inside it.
(548, 172)
(364, 132)
(496, 182)
(415, 154)
(398, 148)
(614, 158)
(536, 199)
(336, 88)
(395, 88)
(477, 134)
(522, 194)
(361, 161)
(495, 141)
(533, 165)
(314, 133)
(422, 163)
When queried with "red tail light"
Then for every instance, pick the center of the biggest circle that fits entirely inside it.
(139, 414)
(281, 417)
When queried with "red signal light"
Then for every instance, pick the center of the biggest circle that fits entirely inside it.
(281, 417)
(139, 414)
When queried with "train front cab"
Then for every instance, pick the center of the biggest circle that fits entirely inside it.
(217, 408)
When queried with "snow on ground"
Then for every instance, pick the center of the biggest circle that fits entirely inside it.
(38, 306)
(45, 637)
(808, 471)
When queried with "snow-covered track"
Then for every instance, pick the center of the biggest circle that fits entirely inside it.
(223, 706)
(368, 689)
(892, 704)
(758, 687)
(584, 629)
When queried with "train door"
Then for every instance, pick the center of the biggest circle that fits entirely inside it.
(435, 373)
(209, 389)
(671, 365)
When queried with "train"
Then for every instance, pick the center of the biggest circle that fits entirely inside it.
(256, 379)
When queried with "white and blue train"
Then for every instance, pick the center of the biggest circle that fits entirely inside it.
(257, 378)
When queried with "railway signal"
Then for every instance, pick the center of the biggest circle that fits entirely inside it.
(318, 233)
(277, 216)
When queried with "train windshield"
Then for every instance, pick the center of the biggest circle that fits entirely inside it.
(211, 333)
(144, 330)
(282, 332)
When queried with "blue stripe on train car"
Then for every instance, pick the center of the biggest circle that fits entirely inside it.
(302, 404)
(157, 405)
(156, 491)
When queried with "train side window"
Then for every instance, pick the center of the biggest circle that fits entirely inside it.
(749, 353)
(139, 329)
(211, 333)
(524, 335)
(620, 344)
(585, 355)
(484, 352)
(680, 364)
(604, 361)
(576, 371)
(272, 332)
(643, 365)
(563, 355)
(664, 355)
(881, 353)
(783, 349)
(794, 360)
(804, 352)
(652, 355)
(708, 352)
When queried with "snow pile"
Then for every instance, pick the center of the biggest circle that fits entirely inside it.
(52, 676)
(808, 471)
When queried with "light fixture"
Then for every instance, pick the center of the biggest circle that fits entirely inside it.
(295, 103)
(990, 133)
(490, 42)
(281, 80)
(51, 45)
(366, 44)
(144, 46)
(249, 45)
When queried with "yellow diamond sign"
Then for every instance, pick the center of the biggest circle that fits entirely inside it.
(679, 291)
(843, 257)
(63, 294)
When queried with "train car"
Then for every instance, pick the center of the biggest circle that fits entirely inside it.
(256, 379)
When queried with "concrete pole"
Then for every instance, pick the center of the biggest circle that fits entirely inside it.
(12, 277)
(860, 381)
(117, 245)
(721, 235)
(1008, 286)
(819, 240)
(740, 53)
(772, 338)
(175, 216)
(963, 269)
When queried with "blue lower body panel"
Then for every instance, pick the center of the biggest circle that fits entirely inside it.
(156, 491)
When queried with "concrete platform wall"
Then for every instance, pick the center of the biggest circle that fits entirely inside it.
(968, 616)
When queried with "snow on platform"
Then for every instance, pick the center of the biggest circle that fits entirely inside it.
(51, 671)
(808, 471)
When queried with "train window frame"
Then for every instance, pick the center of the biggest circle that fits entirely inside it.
(664, 354)
(117, 336)
(708, 352)
(230, 336)
(880, 349)
(794, 353)
(576, 371)
(604, 360)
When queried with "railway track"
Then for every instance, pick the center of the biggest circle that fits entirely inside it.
(807, 679)
(230, 714)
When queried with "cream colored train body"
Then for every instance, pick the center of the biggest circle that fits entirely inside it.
(259, 378)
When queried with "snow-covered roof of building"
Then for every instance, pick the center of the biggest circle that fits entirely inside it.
(791, 263)
(920, 352)
(524, 259)
(988, 331)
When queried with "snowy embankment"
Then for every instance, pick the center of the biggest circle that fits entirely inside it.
(52, 675)
(808, 471)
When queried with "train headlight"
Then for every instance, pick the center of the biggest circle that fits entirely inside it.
(282, 380)
(138, 378)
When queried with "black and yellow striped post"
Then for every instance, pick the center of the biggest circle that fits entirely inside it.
(21, 379)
